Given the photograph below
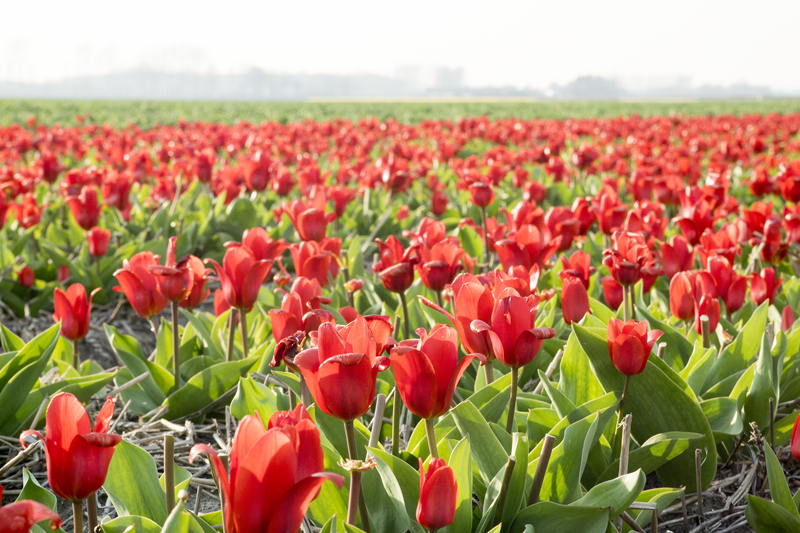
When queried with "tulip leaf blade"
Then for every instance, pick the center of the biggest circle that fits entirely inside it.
(10, 341)
(393, 515)
(121, 524)
(252, 397)
(577, 382)
(679, 349)
(655, 452)
(205, 335)
(723, 415)
(765, 516)
(617, 494)
(552, 516)
(561, 403)
(662, 497)
(489, 454)
(659, 405)
(756, 400)
(207, 386)
(461, 463)
(132, 484)
(778, 487)
(742, 352)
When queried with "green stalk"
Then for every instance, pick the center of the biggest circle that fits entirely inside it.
(512, 402)
(77, 516)
(169, 471)
(76, 360)
(176, 347)
(231, 333)
(355, 477)
(406, 325)
(485, 240)
(243, 323)
(431, 433)
(488, 370)
(397, 406)
(91, 511)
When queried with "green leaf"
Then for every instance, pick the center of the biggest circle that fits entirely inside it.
(551, 517)
(778, 487)
(568, 460)
(398, 516)
(723, 416)
(488, 453)
(407, 478)
(182, 479)
(601, 311)
(209, 347)
(679, 350)
(516, 497)
(253, 397)
(698, 367)
(662, 497)
(765, 516)
(617, 494)
(742, 352)
(178, 520)
(659, 405)
(578, 382)
(122, 523)
(31, 490)
(10, 342)
(560, 402)
(655, 452)
(756, 403)
(207, 386)
(132, 484)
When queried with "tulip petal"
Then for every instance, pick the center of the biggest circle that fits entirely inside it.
(102, 440)
(249, 432)
(437, 499)
(628, 355)
(104, 417)
(21, 516)
(64, 312)
(416, 381)
(222, 475)
(346, 382)
(295, 504)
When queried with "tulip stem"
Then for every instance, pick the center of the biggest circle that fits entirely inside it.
(231, 333)
(541, 469)
(97, 267)
(488, 370)
(154, 326)
(176, 348)
(76, 360)
(169, 471)
(501, 498)
(91, 508)
(355, 476)
(243, 323)
(406, 325)
(439, 299)
(77, 516)
(431, 432)
(485, 240)
(512, 402)
(621, 412)
(305, 394)
(397, 407)
(705, 327)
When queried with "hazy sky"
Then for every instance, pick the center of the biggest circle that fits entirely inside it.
(502, 42)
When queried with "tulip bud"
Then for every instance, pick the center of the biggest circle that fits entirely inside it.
(26, 277)
(439, 202)
(612, 292)
(354, 285)
(97, 239)
(481, 194)
(402, 213)
(681, 296)
(630, 344)
(574, 299)
(787, 319)
(73, 309)
(63, 273)
(438, 495)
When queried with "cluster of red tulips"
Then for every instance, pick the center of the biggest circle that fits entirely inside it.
(632, 210)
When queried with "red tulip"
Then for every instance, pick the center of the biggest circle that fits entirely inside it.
(427, 370)
(561, 221)
(512, 336)
(341, 198)
(612, 292)
(626, 259)
(140, 286)
(396, 265)
(630, 344)
(582, 210)
(696, 218)
(787, 319)
(681, 296)
(220, 303)
(310, 222)
(316, 261)
(26, 277)
(440, 264)
(77, 455)
(795, 447)
(574, 299)
(402, 213)
(438, 495)
(63, 273)
(764, 286)
(342, 368)
(21, 516)
(199, 274)
(527, 247)
(774, 248)
(174, 279)
(241, 276)
(471, 301)
(481, 194)
(281, 468)
(97, 239)
(439, 201)
(609, 210)
(296, 315)
(707, 305)
(578, 266)
(85, 207)
(676, 256)
(262, 245)
(73, 310)
(731, 286)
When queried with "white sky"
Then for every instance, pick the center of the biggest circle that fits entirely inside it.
(521, 43)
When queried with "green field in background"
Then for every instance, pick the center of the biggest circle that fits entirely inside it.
(147, 113)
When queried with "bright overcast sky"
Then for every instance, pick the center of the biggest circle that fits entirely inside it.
(502, 42)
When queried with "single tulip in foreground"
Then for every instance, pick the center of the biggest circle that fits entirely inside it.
(73, 310)
(275, 473)
(438, 495)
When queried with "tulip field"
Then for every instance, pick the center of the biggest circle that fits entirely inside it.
(477, 325)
